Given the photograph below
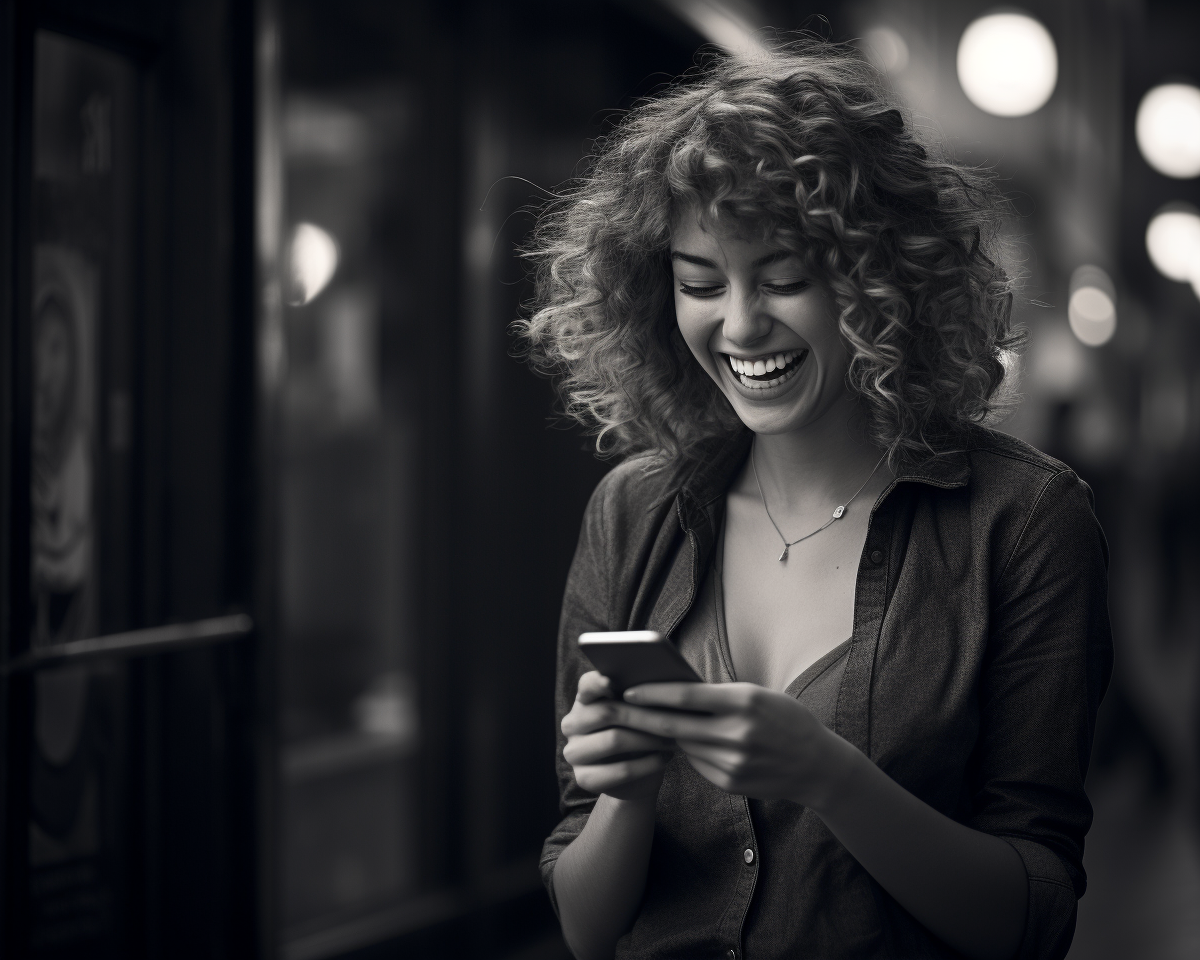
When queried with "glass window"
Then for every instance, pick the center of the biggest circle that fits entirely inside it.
(82, 434)
(349, 710)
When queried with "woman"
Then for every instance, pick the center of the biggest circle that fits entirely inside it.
(791, 320)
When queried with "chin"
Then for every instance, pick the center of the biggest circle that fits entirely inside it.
(771, 422)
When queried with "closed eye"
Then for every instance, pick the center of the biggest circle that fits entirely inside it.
(788, 287)
(701, 290)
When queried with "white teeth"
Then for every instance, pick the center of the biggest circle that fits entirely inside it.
(749, 368)
(760, 368)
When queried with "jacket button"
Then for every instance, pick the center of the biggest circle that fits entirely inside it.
(877, 557)
(748, 855)
(731, 954)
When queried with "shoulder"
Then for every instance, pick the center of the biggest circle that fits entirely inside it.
(631, 508)
(1027, 497)
(999, 478)
(995, 454)
(1004, 470)
(628, 511)
(633, 488)
(628, 508)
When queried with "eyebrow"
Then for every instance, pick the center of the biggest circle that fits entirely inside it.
(704, 262)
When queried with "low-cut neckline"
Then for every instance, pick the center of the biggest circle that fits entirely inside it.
(805, 677)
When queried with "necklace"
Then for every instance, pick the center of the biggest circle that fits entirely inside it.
(837, 514)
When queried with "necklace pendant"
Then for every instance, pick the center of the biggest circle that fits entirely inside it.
(783, 556)
(837, 514)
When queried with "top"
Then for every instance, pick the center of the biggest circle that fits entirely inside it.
(704, 643)
(980, 651)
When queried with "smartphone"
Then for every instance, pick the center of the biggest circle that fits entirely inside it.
(630, 657)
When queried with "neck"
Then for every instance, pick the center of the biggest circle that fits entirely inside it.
(825, 460)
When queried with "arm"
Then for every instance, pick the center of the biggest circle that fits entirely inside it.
(968, 887)
(600, 876)
(594, 863)
(1048, 661)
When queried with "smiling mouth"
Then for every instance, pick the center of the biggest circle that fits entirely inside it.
(770, 370)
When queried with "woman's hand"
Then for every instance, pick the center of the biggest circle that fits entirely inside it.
(606, 755)
(745, 739)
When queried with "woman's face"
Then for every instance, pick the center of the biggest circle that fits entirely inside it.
(761, 326)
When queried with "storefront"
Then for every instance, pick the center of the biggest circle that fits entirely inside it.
(285, 530)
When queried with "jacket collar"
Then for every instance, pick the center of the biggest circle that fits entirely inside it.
(710, 477)
(948, 470)
(721, 459)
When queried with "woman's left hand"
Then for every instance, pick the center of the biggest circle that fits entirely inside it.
(746, 739)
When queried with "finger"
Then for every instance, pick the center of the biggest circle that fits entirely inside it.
(593, 686)
(713, 774)
(607, 776)
(670, 724)
(674, 724)
(605, 746)
(698, 697)
(588, 717)
(726, 759)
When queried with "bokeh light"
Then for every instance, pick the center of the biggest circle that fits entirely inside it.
(725, 24)
(1057, 363)
(1007, 64)
(1093, 316)
(312, 261)
(1092, 307)
(1168, 129)
(886, 49)
(1173, 242)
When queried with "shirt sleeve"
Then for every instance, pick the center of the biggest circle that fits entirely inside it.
(585, 608)
(1048, 663)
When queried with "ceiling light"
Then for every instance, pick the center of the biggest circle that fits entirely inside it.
(1007, 64)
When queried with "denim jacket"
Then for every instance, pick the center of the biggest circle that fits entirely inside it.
(981, 649)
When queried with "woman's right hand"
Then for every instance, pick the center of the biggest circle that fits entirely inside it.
(608, 758)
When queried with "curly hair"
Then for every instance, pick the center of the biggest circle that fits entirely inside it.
(802, 147)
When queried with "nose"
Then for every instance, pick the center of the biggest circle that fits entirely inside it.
(745, 321)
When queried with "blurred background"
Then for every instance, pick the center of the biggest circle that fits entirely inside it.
(286, 527)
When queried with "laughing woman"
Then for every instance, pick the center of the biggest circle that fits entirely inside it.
(789, 319)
